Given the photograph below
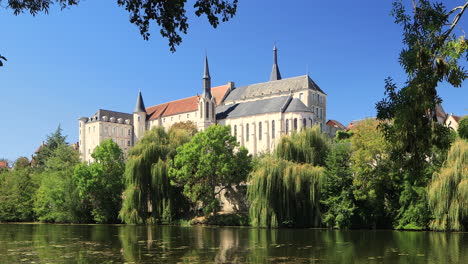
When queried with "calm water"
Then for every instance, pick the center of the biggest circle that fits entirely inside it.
(37, 243)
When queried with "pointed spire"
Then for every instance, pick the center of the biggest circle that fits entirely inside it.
(275, 73)
(140, 105)
(206, 80)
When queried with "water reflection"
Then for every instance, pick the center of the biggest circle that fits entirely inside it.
(172, 244)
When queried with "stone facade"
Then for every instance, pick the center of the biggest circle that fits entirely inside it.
(258, 114)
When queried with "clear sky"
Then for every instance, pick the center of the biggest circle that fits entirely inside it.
(70, 63)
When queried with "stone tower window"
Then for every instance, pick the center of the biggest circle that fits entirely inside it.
(287, 126)
(247, 132)
(295, 124)
(272, 128)
(207, 110)
(304, 123)
(259, 130)
(235, 131)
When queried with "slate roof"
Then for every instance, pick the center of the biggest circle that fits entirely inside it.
(297, 105)
(283, 86)
(140, 105)
(101, 113)
(184, 105)
(270, 105)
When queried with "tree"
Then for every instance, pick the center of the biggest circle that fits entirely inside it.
(101, 183)
(337, 190)
(149, 196)
(284, 190)
(448, 191)
(188, 126)
(374, 181)
(57, 198)
(2, 59)
(210, 162)
(463, 128)
(169, 15)
(431, 56)
(17, 190)
(53, 141)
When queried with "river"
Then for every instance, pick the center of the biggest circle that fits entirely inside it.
(52, 243)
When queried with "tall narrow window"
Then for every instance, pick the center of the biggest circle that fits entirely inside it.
(272, 128)
(235, 131)
(247, 132)
(201, 110)
(295, 124)
(287, 126)
(207, 110)
(259, 130)
(304, 123)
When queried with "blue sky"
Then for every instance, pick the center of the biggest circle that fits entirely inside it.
(70, 63)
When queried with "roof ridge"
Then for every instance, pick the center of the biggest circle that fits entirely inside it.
(185, 97)
(113, 111)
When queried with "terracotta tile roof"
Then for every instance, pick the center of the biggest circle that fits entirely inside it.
(335, 123)
(184, 105)
(3, 165)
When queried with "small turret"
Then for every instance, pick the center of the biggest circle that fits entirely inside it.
(139, 118)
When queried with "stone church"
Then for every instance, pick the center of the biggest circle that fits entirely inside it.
(258, 113)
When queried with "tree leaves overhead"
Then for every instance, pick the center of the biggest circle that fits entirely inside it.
(170, 16)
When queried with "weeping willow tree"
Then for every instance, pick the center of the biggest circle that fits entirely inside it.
(149, 196)
(284, 189)
(308, 146)
(448, 190)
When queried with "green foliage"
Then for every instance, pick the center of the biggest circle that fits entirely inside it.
(343, 135)
(284, 193)
(17, 193)
(282, 190)
(149, 196)
(57, 199)
(374, 182)
(169, 15)
(53, 141)
(188, 126)
(463, 127)
(308, 146)
(211, 159)
(100, 184)
(431, 56)
(448, 191)
(337, 189)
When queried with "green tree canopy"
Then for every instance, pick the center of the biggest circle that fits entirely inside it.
(101, 183)
(53, 141)
(170, 16)
(57, 198)
(337, 190)
(17, 190)
(373, 178)
(284, 189)
(149, 196)
(431, 56)
(448, 191)
(211, 159)
(463, 127)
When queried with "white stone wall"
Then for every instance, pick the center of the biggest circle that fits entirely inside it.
(264, 141)
(93, 133)
(168, 121)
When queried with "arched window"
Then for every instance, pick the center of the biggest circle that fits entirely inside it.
(235, 131)
(287, 126)
(201, 110)
(247, 132)
(304, 123)
(295, 124)
(207, 110)
(272, 128)
(259, 130)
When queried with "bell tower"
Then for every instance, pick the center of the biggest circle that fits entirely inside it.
(206, 102)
